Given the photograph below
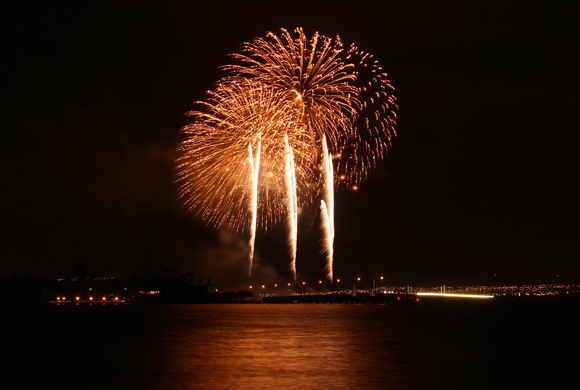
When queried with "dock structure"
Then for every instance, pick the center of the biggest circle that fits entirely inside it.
(344, 298)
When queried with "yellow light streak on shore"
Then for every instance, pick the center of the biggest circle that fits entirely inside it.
(455, 295)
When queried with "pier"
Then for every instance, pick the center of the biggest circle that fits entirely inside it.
(344, 298)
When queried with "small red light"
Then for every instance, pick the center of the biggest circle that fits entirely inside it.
(417, 300)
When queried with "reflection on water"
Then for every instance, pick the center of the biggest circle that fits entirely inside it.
(468, 345)
(280, 347)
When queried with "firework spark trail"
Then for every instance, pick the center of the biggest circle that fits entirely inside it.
(292, 205)
(306, 99)
(255, 165)
(213, 170)
(327, 209)
(327, 239)
(375, 123)
(329, 183)
(311, 75)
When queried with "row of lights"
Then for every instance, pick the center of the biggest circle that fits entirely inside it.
(62, 299)
(319, 282)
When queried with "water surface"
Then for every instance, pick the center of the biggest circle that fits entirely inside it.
(436, 345)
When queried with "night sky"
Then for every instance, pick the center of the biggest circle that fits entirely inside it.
(480, 186)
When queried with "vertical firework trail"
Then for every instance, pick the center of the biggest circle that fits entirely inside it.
(290, 179)
(327, 239)
(255, 171)
(327, 209)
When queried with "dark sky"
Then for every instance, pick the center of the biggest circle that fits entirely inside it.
(479, 188)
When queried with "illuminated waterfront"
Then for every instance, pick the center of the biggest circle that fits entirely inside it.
(165, 289)
(119, 290)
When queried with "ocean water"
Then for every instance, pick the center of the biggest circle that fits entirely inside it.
(438, 344)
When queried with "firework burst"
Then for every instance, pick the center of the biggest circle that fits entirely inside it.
(262, 144)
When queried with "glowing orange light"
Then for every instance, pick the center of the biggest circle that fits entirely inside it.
(90, 298)
(263, 286)
(250, 286)
(104, 298)
(355, 188)
(78, 298)
(303, 283)
(320, 282)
